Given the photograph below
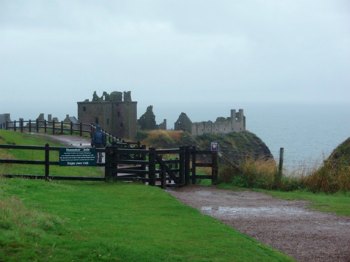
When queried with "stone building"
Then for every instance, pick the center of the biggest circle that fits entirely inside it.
(116, 113)
(183, 123)
(3, 119)
(235, 123)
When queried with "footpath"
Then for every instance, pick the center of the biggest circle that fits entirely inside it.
(288, 226)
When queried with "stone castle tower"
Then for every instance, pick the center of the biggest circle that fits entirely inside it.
(116, 113)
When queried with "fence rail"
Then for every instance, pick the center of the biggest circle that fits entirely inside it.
(56, 127)
(161, 167)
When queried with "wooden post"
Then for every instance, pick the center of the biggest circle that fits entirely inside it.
(15, 125)
(61, 127)
(152, 166)
(109, 161)
(182, 166)
(81, 129)
(37, 125)
(163, 178)
(45, 126)
(187, 165)
(47, 161)
(215, 167)
(21, 125)
(71, 128)
(280, 168)
(193, 169)
(53, 127)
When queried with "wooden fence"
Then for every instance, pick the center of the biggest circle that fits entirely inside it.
(161, 167)
(59, 128)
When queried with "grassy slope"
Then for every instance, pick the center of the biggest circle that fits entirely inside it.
(70, 221)
(112, 222)
(338, 203)
(13, 138)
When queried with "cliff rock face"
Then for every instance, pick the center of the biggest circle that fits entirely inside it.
(233, 147)
(236, 146)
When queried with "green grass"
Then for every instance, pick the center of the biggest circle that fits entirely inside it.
(338, 203)
(74, 221)
(97, 221)
(17, 138)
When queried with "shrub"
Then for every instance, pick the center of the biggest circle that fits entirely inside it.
(330, 178)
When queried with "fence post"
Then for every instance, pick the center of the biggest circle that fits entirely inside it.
(81, 129)
(45, 126)
(30, 125)
(182, 166)
(71, 128)
(215, 167)
(21, 125)
(53, 127)
(61, 127)
(37, 125)
(163, 178)
(7, 125)
(280, 168)
(193, 169)
(187, 165)
(109, 159)
(47, 161)
(152, 166)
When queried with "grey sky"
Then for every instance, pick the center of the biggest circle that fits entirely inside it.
(172, 53)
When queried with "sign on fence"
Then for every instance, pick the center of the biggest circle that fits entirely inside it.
(77, 157)
(214, 146)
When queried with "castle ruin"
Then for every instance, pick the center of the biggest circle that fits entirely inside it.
(235, 123)
(116, 113)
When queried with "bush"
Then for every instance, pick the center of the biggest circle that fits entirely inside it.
(330, 178)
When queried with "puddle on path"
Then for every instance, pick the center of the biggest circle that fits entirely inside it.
(255, 211)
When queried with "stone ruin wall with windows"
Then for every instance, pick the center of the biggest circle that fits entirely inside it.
(116, 113)
(235, 123)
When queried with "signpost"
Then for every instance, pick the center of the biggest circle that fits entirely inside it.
(214, 146)
(77, 157)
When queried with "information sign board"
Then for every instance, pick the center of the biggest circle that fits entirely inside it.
(77, 157)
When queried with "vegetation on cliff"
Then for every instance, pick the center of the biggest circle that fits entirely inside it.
(334, 174)
(235, 147)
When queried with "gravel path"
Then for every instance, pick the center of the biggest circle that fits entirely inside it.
(74, 141)
(285, 225)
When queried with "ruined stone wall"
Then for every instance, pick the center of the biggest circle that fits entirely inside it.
(3, 119)
(234, 123)
(113, 115)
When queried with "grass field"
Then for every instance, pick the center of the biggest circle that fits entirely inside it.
(16, 138)
(338, 203)
(74, 221)
(97, 221)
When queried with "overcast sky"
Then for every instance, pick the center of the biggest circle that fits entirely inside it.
(172, 53)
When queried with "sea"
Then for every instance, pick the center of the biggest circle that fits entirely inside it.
(308, 133)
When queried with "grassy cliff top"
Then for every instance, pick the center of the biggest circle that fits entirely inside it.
(341, 154)
(236, 145)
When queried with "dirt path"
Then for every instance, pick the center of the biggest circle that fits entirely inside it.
(285, 225)
(74, 141)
